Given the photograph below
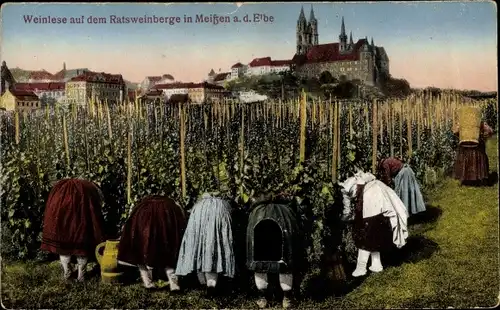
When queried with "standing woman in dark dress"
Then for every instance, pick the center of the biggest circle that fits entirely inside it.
(471, 164)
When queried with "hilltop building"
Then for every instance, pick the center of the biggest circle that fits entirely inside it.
(360, 60)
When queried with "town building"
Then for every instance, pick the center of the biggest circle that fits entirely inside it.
(150, 81)
(97, 86)
(19, 100)
(218, 79)
(360, 60)
(48, 93)
(197, 92)
(238, 70)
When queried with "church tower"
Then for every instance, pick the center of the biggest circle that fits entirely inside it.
(302, 34)
(307, 32)
(343, 38)
(313, 25)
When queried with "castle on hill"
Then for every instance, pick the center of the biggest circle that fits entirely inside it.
(360, 60)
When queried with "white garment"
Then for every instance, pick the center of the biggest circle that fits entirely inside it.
(378, 198)
(286, 281)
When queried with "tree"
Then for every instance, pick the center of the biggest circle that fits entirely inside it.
(326, 78)
(395, 87)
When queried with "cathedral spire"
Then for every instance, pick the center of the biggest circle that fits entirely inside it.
(350, 39)
(311, 16)
(372, 43)
(64, 66)
(302, 15)
(342, 28)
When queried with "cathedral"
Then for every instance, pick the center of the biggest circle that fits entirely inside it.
(360, 60)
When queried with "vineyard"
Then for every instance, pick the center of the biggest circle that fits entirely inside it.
(239, 151)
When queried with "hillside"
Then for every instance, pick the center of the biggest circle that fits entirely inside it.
(22, 76)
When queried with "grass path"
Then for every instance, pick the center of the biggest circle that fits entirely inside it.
(450, 261)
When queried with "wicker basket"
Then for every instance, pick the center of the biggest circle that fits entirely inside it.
(469, 119)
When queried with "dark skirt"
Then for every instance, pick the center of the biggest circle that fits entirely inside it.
(373, 234)
(471, 164)
(153, 233)
(73, 222)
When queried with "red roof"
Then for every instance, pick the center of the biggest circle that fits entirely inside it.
(259, 62)
(99, 77)
(42, 75)
(186, 85)
(266, 61)
(329, 53)
(23, 94)
(51, 86)
(221, 76)
(279, 63)
(154, 78)
(237, 65)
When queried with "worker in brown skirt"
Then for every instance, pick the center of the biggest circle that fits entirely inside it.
(73, 223)
(151, 239)
(471, 163)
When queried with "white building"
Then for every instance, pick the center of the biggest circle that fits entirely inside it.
(172, 89)
(261, 66)
(150, 81)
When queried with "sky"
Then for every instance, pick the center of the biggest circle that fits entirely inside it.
(442, 44)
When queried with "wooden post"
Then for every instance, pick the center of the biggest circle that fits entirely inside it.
(110, 131)
(129, 165)
(351, 131)
(391, 127)
(401, 128)
(17, 126)
(333, 133)
(409, 130)
(338, 118)
(183, 150)
(303, 123)
(66, 143)
(419, 125)
(374, 136)
(242, 148)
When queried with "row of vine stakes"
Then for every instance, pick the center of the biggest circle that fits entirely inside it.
(428, 113)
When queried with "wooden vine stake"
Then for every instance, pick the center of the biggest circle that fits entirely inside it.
(18, 130)
(242, 149)
(110, 131)
(374, 135)
(391, 127)
(401, 129)
(334, 131)
(337, 128)
(419, 125)
(303, 122)
(183, 150)
(66, 142)
(409, 129)
(129, 165)
(351, 131)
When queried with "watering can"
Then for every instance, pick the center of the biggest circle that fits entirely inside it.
(110, 270)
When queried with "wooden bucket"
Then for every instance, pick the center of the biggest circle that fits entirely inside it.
(469, 120)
